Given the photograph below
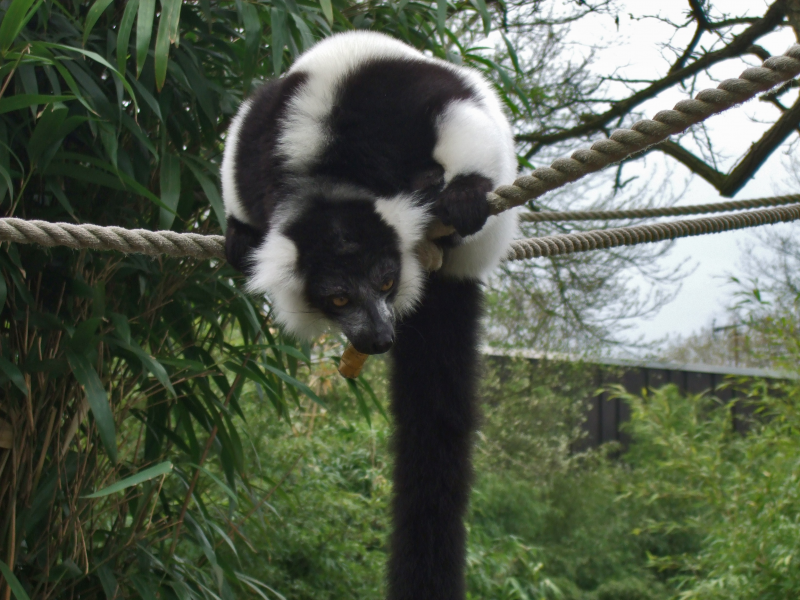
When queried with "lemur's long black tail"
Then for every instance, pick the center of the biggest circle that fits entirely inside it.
(434, 407)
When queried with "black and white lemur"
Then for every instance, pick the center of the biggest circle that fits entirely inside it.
(331, 176)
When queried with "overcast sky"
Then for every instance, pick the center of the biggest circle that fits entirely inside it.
(635, 54)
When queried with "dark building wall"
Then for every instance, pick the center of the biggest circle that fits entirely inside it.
(605, 414)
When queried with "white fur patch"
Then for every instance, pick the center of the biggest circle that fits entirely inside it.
(230, 193)
(275, 274)
(482, 252)
(504, 137)
(474, 136)
(409, 220)
(470, 140)
(304, 134)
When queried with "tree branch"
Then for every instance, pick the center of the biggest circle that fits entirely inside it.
(740, 44)
(728, 185)
(695, 164)
(761, 150)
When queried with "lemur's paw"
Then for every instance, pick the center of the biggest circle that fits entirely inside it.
(463, 203)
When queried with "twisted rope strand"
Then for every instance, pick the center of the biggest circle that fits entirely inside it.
(647, 132)
(622, 143)
(555, 245)
(96, 237)
(213, 246)
(641, 213)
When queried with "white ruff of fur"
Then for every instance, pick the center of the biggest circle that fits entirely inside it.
(230, 194)
(409, 221)
(275, 275)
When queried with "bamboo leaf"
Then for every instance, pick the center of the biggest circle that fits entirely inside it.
(13, 582)
(253, 373)
(252, 36)
(167, 32)
(305, 33)
(211, 192)
(140, 477)
(9, 185)
(98, 400)
(124, 33)
(291, 351)
(91, 18)
(512, 53)
(327, 10)
(279, 36)
(362, 404)
(144, 31)
(365, 384)
(13, 373)
(441, 17)
(485, 16)
(14, 20)
(170, 188)
(121, 326)
(223, 486)
(148, 362)
(99, 59)
(296, 384)
(46, 131)
(3, 292)
(25, 100)
(108, 581)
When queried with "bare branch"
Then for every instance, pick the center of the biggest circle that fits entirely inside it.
(693, 163)
(728, 185)
(741, 44)
(761, 150)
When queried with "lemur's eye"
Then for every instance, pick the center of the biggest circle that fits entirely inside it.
(387, 286)
(340, 300)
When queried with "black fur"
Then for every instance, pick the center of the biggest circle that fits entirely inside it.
(463, 204)
(346, 249)
(380, 137)
(240, 240)
(383, 124)
(434, 408)
(260, 174)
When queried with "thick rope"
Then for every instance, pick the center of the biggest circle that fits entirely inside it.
(555, 245)
(142, 241)
(641, 213)
(624, 142)
(213, 246)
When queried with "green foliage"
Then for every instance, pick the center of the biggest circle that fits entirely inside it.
(323, 536)
(114, 113)
(728, 503)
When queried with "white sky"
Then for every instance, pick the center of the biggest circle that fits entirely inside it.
(634, 52)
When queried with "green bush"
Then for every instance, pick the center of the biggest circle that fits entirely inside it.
(726, 504)
(626, 589)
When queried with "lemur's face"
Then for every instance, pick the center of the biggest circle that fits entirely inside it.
(350, 260)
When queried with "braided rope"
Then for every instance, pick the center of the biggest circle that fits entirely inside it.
(641, 213)
(647, 132)
(622, 143)
(555, 245)
(142, 241)
(213, 246)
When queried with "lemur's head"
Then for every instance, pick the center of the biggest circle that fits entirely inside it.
(338, 256)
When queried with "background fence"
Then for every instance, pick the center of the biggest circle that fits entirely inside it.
(605, 414)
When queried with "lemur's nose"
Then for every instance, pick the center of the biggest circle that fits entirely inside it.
(382, 345)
